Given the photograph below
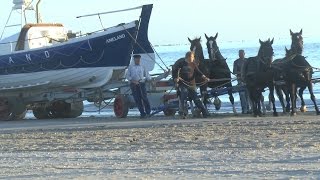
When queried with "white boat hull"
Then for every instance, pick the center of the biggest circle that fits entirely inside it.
(73, 77)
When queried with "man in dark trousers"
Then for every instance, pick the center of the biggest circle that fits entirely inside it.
(137, 75)
(183, 73)
(244, 96)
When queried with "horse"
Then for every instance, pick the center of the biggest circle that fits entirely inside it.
(281, 88)
(258, 74)
(218, 68)
(214, 67)
(299, 74)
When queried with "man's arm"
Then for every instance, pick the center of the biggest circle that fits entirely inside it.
(175, 68)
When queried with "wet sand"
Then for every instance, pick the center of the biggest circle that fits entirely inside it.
(223, 146)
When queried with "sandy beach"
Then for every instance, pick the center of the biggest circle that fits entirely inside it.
(223, 146)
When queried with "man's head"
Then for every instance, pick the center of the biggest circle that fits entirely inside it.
(241, 54)
(189, 56)
(136, 58)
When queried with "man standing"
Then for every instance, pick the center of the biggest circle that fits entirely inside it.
(237, 66)
(137, 75)
(183, 73)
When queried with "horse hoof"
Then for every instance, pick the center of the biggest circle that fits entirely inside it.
(293, 113)
(303, 109)
(275, 114)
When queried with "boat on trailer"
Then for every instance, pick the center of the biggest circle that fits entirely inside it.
(49, 70)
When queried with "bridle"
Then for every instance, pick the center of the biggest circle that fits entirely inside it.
(264, 54)
(213, 51)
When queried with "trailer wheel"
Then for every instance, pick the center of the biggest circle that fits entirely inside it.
(169, 112)
(4, 109)
(121, 106)
(10, 109)
(41, 113)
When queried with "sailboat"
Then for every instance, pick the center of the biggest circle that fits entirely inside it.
(45, 58)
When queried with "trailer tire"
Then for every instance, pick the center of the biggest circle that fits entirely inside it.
(121, 106)
(169, 112)
(40, 113)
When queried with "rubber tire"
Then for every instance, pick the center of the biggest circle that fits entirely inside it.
(121, 106)
(41, 113)
(169, 112)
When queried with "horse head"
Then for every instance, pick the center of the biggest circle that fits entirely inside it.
(266, 51)
(212, 46)
(197, 49)
(297, 41)
(290, 54)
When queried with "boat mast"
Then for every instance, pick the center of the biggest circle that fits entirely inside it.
(22, 5)
(37, 12)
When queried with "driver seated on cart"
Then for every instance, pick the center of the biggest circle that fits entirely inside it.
(183, 73)
(137, 75)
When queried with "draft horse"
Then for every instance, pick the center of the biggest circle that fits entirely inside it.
(299, 74)
(214, 68)
(258, 74)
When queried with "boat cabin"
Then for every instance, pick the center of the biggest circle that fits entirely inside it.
(40, 35)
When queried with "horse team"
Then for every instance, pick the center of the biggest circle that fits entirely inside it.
(284, 75)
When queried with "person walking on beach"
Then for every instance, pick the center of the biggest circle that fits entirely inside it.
(137, 75)
(244, 96)
(183, 73)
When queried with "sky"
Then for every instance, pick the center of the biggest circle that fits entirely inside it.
(173, 21)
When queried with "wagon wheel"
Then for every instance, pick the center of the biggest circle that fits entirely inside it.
(4, 109)
(41, 113)
(121, 106)
(20, 116)
(169, 112)
(196, 113)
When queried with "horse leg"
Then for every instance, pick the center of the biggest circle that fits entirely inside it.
(313, 98)
(254, 100)
(204, 95)
(272, 99)
(287, 94)
(280, 96)
(232, 101)
(259, 97)
(264, 109)
(293, 95)
(303, 107)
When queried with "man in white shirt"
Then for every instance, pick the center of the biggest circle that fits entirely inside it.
(137, 75)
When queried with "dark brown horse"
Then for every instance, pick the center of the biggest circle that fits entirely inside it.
(299, 74)
(281, 88)
(217, 68)
(214, 68)
(258, 74)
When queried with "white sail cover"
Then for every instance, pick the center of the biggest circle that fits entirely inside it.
(22, 4)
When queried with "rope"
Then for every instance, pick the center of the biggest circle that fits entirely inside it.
(142, 48)
(159, 57)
